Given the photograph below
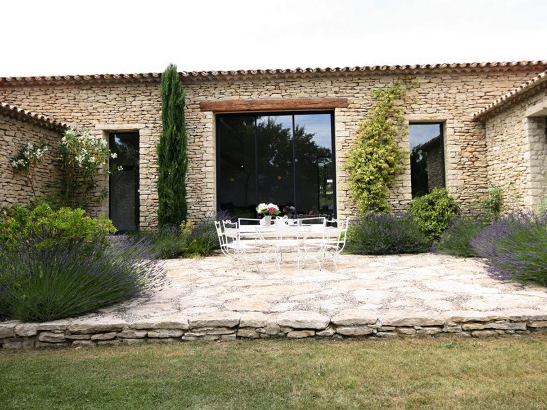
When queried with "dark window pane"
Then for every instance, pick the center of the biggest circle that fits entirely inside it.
(287, 159)
(314, 166)
(237, 166)
(124, 183)
(426, 158)
(275, 160)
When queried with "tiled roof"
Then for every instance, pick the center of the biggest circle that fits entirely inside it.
(529, 88)
(292, 72)
(396, 69)
(24, 115)
(139, 77)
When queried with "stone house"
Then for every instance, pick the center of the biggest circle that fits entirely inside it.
(283, 136)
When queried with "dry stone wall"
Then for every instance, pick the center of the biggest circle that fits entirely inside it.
(16, 188)
(450, 96)
(517, 153)
(230, 326)
(103, 107)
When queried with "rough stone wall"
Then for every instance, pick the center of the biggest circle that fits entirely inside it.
(517, 153)
(450, 97)
(16, 188)
(103, 107)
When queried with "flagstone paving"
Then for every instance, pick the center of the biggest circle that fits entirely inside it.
(386, 286)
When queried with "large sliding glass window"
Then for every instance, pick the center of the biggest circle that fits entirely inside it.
(426, 157)
(286, 159)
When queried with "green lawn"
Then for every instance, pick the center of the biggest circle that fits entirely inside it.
(447, 373)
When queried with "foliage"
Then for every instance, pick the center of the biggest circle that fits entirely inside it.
(81, 157)
(47, 283)
(376, 160)
(187, 240)
(28, 156)
(63, 229)
(456, 239)
(514, 247)
(433, 212)
(493, 205)
(382, 234)
(172, 152)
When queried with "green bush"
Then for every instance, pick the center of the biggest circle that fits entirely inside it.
(382, 234)
(456, 239)
(41, 284)
(58, 229)
(434, 212)
(188, 240)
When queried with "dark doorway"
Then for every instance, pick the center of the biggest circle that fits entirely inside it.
(124, 181)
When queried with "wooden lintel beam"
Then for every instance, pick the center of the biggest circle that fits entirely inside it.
(274, 105)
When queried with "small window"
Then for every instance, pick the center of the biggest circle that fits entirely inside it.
(426, 157)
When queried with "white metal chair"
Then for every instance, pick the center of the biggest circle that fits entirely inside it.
(230, 243)
(329, 247)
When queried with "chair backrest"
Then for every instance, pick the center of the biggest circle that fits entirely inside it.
(246, 225)
(337, 236)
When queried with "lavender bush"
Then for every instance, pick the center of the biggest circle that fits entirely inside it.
(514, 247)
(456, 239)
(38, 284)
(382, 234)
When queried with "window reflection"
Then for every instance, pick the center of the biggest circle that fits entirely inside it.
(286, 159)
(426, 158)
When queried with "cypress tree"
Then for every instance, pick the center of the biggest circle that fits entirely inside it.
(171, 150)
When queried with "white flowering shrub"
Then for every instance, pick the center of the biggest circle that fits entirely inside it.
(82, 158)
(29, 155)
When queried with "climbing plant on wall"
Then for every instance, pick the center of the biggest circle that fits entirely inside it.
(172, 151)
(376, 159)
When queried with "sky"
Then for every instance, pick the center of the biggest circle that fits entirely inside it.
(59, 37)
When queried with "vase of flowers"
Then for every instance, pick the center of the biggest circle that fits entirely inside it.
(268, 210)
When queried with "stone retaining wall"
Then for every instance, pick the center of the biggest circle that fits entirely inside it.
(231, 326)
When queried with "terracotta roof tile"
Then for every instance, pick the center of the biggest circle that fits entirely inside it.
(42, 120)
(535, 84)
(396, 69)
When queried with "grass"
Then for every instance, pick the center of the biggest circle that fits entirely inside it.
(451, 373)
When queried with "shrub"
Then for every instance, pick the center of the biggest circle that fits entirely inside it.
(200, 239)
(381, 234)
(167, 241)
(188, 239)
(41, 284)
(514, 247)
(63, 229)
(375, 161)
(456, 239)
(433, 212)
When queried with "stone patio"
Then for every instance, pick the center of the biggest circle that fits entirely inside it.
(376, 296)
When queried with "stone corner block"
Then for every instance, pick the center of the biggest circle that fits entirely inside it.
(169, 322)
(354, 317)
(413, 321)
(26, 329)
(254, 319)
(55, 326)
(219, 319)
(96, 326)
(7, 330)
(301, 319)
